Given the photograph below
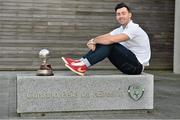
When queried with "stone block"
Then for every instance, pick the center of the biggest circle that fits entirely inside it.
(83, 93)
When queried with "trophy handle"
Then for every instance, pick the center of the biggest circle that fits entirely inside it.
(45, 67)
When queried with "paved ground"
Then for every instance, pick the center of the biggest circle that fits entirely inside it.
(166, 102)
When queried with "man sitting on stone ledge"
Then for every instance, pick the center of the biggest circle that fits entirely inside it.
(127, 47)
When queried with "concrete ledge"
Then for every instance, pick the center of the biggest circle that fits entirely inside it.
(76, 93)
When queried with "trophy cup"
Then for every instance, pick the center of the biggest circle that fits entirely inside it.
(45, 68)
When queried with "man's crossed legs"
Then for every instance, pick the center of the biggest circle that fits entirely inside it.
(122, 58)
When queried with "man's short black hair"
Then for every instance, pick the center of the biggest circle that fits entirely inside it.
(121, 5)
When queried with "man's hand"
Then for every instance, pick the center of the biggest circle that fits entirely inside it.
(91, 44)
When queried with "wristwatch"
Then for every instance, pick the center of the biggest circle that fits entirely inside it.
(93, 40)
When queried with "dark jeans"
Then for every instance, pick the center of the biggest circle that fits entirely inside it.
(120, 56)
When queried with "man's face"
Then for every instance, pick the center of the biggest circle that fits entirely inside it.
(123, 16)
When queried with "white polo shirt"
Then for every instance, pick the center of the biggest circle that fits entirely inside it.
(138, 42)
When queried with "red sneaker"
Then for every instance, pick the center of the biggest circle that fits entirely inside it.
(69, 60)
(78, 67)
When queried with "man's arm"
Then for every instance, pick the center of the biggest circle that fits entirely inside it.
(107, 39)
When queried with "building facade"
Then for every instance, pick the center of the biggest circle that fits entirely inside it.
(64, 27)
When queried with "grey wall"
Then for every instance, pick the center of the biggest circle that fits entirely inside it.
(64, 26)
(177, 39)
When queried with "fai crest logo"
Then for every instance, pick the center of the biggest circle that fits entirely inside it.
(135, 92)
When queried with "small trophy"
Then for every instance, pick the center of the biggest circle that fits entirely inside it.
(45, 68)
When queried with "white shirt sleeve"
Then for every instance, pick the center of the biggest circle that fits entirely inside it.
(116, 31)
(131, 32)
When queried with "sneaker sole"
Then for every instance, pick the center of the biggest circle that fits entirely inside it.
(82, 74)
(64, 60)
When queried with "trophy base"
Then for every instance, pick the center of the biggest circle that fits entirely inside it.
(44, 73)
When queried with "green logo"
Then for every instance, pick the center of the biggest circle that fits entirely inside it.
(135, 92)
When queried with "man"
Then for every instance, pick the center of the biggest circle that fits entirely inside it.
(127, 47)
